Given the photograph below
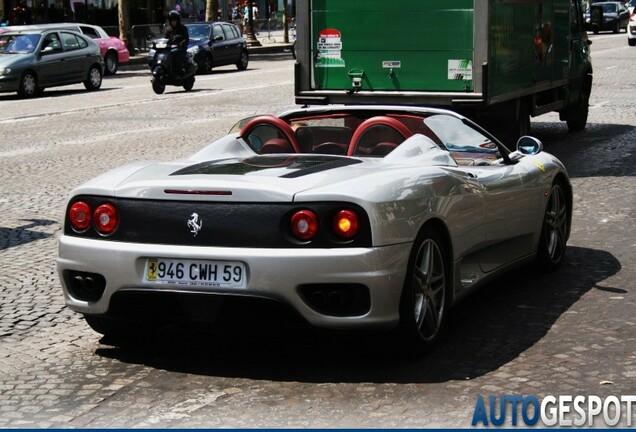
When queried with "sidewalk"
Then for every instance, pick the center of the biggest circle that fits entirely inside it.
(271, 43)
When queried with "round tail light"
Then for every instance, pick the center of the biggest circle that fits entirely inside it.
(346, 224)
(304, 224)
(106, 219)
(80, 216)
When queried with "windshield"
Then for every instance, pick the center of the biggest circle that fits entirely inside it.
(199, 31)
(609, 7)
(18, 44)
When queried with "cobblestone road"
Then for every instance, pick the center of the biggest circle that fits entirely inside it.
(571, 332)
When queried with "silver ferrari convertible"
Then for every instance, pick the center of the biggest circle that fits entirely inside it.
(374, 217)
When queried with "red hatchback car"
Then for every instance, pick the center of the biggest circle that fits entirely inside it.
(113, 50)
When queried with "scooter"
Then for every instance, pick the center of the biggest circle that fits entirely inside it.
(163, 70)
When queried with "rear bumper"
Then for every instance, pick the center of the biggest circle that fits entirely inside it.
(271, 273)
(123, 56)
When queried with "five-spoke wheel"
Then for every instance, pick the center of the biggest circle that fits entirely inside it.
(424, 297)
(555, 231)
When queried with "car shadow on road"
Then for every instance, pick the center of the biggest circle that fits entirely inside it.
(591, 152)
(486, 331)
(12, 237)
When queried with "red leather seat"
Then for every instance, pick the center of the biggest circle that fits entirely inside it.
(276, 145)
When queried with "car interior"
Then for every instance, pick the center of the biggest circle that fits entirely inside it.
(346, 134)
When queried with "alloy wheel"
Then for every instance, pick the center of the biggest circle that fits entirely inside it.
(556, 219)
(429, 287)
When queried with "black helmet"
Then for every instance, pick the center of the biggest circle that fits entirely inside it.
(174, 15)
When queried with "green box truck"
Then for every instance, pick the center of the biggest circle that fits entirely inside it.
(497, 61)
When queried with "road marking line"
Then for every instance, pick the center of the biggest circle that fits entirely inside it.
(145, 101)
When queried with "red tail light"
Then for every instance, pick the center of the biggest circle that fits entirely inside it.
(106, 219)
(304, 224)
(346, 224)
(631, 17)
(80, 216)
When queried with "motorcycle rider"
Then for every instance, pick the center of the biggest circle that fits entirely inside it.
(177, 34)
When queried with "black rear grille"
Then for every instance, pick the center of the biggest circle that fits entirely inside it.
(260, 225)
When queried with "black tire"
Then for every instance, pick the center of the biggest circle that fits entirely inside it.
(425, 296)
(205, 64)
(555, 229)
(617, 28)
(157, 86)
(523, 120)
(111, 62)
(115, 332)
(631, 42)
(189, 84)
(28, 84)
(577, 115)
(595, 32)
(243, 61)
(94, 79)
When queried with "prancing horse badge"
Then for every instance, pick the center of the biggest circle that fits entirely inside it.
(195, 224)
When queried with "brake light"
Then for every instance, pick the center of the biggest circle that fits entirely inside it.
(631, 17)
(80, 216)
(304, 224)
(346, 224)
(106, 219)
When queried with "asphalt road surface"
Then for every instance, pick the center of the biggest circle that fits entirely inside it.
(569, 332)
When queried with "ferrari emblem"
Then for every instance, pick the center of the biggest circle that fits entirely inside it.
(195, 224)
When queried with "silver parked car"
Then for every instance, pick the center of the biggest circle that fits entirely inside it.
(31, 60)
(355, 216)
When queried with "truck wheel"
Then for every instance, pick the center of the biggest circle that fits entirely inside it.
(523, 121)
(577, 118)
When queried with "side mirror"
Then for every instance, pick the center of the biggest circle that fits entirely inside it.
(47, 50)
(526, 146)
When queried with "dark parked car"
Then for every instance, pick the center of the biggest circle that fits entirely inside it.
(31, 60)
(215, 44)
(602, 16)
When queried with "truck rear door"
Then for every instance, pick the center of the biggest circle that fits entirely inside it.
(397, 45)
